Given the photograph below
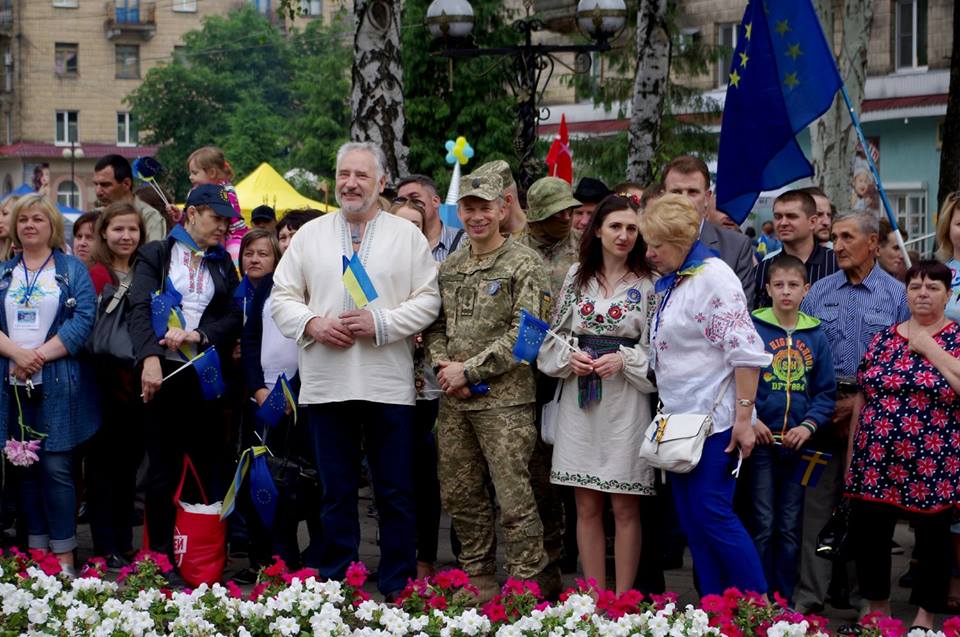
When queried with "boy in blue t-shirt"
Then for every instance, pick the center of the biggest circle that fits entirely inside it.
(795, 396)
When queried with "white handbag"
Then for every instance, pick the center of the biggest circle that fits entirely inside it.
(549, 414)
(674, 442)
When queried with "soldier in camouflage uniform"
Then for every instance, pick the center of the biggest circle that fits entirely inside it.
(550, 205)
(488, 434)
(515, 222)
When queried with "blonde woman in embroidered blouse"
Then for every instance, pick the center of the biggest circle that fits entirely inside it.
(701, 336)
(605, 304)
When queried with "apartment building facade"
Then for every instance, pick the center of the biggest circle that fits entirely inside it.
(67, 66)
(905, 94)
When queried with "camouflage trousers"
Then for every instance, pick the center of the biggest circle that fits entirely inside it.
(498, 443)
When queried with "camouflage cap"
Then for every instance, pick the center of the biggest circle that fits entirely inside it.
(486, 186)
(497, 167)
(548, 196)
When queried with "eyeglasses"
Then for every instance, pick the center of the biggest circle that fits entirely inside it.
(407, 201)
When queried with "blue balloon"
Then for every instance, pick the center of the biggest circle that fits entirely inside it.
(449, 145)
(468, 152)
(451, 159)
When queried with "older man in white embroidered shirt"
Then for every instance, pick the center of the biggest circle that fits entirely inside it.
(356, 365)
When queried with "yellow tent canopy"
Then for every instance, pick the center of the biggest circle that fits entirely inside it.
(266, 186)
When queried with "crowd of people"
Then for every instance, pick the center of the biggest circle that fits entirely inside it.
(828, 371)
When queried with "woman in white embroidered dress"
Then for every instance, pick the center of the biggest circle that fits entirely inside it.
(701, 336)
(606, 304)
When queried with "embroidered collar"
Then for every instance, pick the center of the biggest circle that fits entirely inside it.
(181, 236)
(694, 262)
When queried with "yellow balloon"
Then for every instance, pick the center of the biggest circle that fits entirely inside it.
(461, 141)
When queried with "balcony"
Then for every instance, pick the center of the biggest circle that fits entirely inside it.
(131, 19)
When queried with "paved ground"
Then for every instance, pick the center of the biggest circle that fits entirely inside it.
(679, 580)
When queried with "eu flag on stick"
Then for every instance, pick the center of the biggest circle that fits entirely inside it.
(275, 406)
(783, 77)
(530, 335)
(263, 491)
(211, 378)
(357, 281)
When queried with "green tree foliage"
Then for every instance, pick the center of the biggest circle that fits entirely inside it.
(605, 157)
(241, 84)
(479, 106)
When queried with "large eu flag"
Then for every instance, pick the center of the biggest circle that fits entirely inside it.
(783, 77)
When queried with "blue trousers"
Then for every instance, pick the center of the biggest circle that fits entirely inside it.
(47, 493)
(777, 515)
(723, 553)
(386, 434)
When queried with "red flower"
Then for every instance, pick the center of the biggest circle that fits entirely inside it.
(876, 452)
(871, 476)
(890, 403)
(586, 309)
(902, 364)
(918, 490)
(615, 312)
(278, 568)
(904, 448)
(919, 401)
(944, 489)
(938, 418)
(438, 602)
(495, 612)
(926, 378)
(933, 442)
(599, 318)
(926, 467)
(897, 473)
(893, 382)
(955, 439)
(951, 627)
(891, 494)
(911, 424)
(951, 464)
(873, 371)
(356, 574)
(883, 427)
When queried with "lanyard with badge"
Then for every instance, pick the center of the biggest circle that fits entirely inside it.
(28, 317)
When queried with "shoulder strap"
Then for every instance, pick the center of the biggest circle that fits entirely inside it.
(456, 241)
(118, 296)
(723, 390)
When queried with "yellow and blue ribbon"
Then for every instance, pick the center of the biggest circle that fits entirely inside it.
(357, 281)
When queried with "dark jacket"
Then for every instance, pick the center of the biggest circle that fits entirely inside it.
(251, 341)
(811, 392)
(735, 250)
(221, 320)
(71, 405)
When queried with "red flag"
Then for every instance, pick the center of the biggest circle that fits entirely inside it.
(559, 159)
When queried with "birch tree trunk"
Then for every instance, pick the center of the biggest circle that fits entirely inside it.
(833, 137)
(950, 149)
(377, 98)
(649, 89)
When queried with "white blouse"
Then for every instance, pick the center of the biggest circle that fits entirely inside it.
(701, 332)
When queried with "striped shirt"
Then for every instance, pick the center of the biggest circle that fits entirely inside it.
(822, 262)
(852, 315)
(445, 246)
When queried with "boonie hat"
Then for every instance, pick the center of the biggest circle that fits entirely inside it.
(214, 197)
(498, 167)
(548, 196)
(486, 186)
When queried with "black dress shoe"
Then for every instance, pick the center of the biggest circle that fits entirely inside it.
(116, 562)
(850, 629)
(246, 576)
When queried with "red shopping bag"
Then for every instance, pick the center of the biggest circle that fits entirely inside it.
(199, 535)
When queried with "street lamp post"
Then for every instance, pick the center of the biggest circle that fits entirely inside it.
(602, 20)
(73, 153)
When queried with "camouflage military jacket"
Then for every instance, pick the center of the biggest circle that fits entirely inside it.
(557, 258)
(482, 299)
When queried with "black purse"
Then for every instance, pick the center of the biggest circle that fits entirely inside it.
(833, 541)
(110, 335)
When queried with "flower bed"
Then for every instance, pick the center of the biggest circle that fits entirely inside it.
(38, 600)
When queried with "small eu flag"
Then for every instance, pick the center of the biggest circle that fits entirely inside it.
(783, 76)
(357, 281)
(810, 467)
(263, 491)
(530, 337)
(275, 406)
(211, 378)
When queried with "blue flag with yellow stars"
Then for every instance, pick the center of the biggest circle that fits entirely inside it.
(263, 491)
(211, 378)
(274, 408)
(783, 77)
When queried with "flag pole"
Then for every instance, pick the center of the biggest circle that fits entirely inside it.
(876, 174)
(183, 367)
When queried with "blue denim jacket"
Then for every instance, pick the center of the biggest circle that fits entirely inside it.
(71, 405)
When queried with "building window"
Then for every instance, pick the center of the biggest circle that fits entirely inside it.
(8, 125)
(311, 7)
(68, 194)
(66, 4)
(188, 6)
(128, 62)
(727, 41)
(65, 59)
(126, 130)
(911, 33)
(910, 207)
(67, 127)
(263, 6)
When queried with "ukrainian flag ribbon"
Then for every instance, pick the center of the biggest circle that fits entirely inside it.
(246, 458)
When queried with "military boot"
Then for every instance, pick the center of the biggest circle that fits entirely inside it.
(487, 589)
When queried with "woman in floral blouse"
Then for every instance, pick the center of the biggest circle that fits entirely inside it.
(905, 445)
(703, 346)
(606, 304)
